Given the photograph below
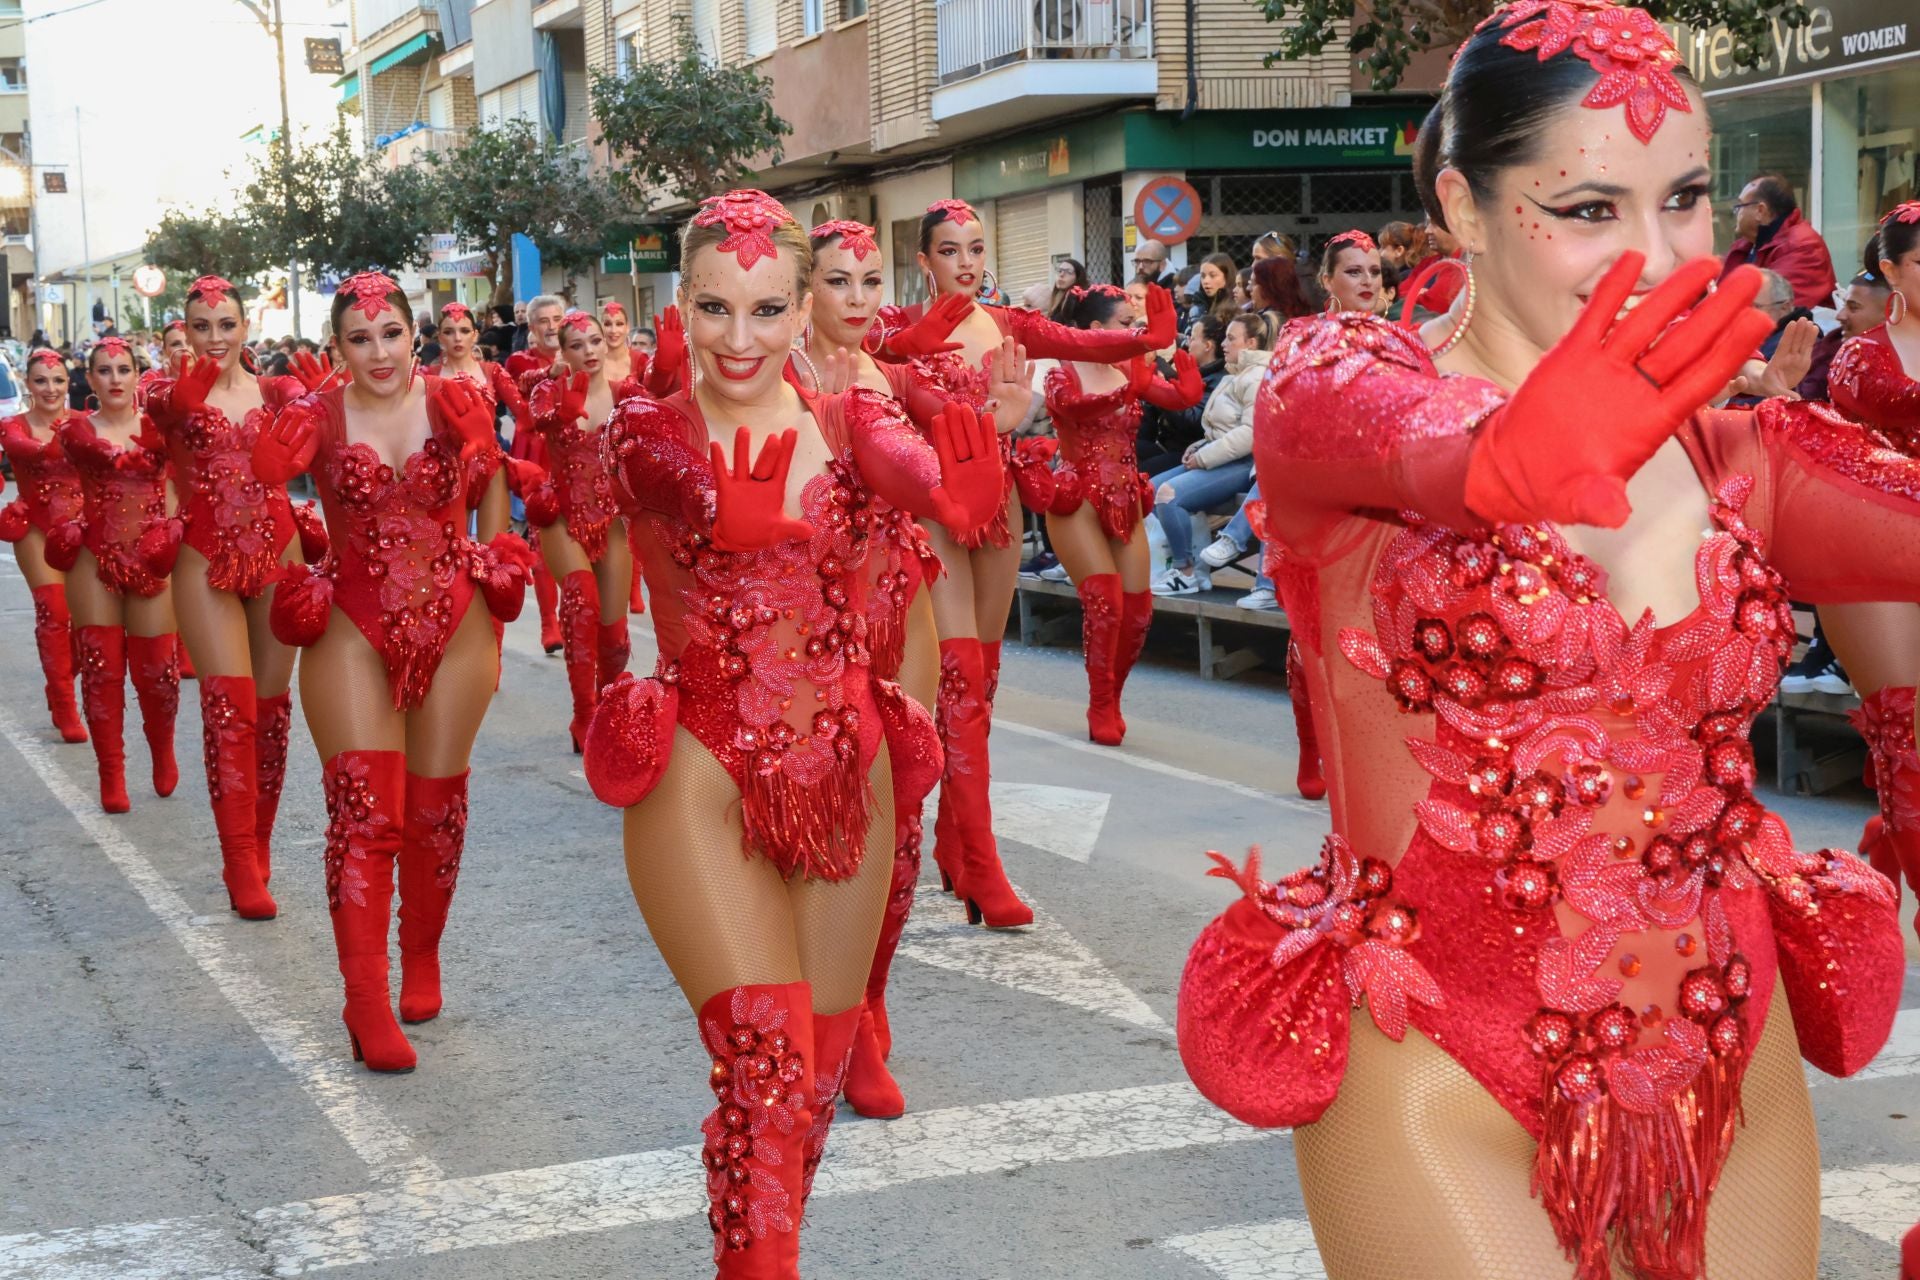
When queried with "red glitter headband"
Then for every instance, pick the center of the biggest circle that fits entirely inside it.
(614, 309)
(855, 237)
(749, 217)
(957, 211)
(1358, 239)
(577, 320)
(114, 346)
(1907, 211)
(211, 290)
(1634, 56)
(369, 291)
(1113, 291)
(456, 311)
(47, 355)
(171, 325)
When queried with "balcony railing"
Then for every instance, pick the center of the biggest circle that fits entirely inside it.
(407, 146)
(378, 15)
(976, 36)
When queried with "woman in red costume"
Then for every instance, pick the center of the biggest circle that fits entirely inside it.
(238, 532)
(762, 731)
(846, 285)
(460, 359)
(1097, 500)
(1873, 382)
(399, 664)
(582, 536)
(955, 339)
(49, 497)
(120, 598)
(623, 365)
(1549, 879)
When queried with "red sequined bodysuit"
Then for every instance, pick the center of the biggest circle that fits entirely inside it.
(573, 462)
(497, 387)
(125, 490)
(1546, 852)
(904, 560)
(49, 485)
(764, 654)
(240, 525)
(1097, 435)
(401, 566)
(1867, 384)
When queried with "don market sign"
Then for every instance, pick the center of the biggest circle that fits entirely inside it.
(1333, 138)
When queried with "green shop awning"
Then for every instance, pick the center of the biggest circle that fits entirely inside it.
(414, 50)
(349, 86)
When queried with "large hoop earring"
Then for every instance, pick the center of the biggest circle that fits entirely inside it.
(1331, 306)
(92, 402)
(812, 372)
(1896, 315)
(1466, 312)
(926, 274)
(992, 281)
(875, 334)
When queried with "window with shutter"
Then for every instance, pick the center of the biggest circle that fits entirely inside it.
(706, 28)
(763, 26)
(1020, 251)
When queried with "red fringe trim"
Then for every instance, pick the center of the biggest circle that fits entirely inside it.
(1639, 1183)
(819, 830)
(887, 642)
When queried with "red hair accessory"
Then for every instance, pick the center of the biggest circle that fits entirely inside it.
(613, 308)
(957, 211)
(1634, 56)
(855, 237)
(369, 291)
(749, 217)
(114, 346)
(46, 355)
(171, 325)
(1358, 239)
(1906, 211)
(456, 311)
(577, 320)
(211, 290)
(1113, 291)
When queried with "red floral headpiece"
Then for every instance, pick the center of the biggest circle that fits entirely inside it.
(1358, 239)
(456, 311)
(1113, 291)
(749, 217)
(957, 211)
(46, 355)
(1907, 211)
(579, 320)
(171, 325)
(612, 308)
(369, 291)
(855, 237)
(1634, 56)
(114, 346)
(211, 290)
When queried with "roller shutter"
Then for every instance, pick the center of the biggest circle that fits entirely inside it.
(1020, 252)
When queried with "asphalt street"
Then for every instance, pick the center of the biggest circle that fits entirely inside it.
(179, 1099)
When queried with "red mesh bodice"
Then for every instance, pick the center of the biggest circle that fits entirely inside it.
(1867, 384)
(1097, 435)
(125, 490)
(579, 475)
(240, 525)
(49, 485)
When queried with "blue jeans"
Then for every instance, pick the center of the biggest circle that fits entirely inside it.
(1240, 529)
(1194, 492)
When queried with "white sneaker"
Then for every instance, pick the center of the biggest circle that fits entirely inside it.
(1223, 552)
(1830, 681)
(1178, 583)
(1259, 598)
(1054, 573)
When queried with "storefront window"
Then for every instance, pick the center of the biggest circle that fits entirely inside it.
(909, 280)
(1770, 132)
(1871, 132)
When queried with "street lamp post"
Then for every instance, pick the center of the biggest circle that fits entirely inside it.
(277, 28)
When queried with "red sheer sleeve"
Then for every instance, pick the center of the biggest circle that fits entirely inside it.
(895, 461)
(659, 463)
(1867, 384)
(1045, 339)
(507, 391)
(544, 403)
(917, 390)
(160, 402)
(1353, 417)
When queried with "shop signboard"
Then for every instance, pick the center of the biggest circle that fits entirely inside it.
(1838, 35)
(1330, 138)
(652, 249)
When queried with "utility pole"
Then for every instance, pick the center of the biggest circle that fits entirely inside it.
(276, 27)
(86, 250)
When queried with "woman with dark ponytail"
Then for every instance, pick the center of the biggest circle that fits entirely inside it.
(1549, 880)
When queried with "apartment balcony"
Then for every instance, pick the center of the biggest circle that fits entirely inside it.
(411, 145)
(557, 15)
(1004, 62)
(394, 30)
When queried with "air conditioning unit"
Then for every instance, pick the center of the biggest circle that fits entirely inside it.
(853, 205)
(1087, 24)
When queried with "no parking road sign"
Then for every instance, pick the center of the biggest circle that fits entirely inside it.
(1168, 210)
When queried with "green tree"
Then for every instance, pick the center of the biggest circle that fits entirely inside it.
(1384, 35)
(334, 209)
(186, 245)
(509, 177)
(685, 126)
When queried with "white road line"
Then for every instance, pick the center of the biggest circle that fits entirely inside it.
(528, 1205)
(323, 1067)
(1062, 820)
(1280, 1250)
(1042, 960)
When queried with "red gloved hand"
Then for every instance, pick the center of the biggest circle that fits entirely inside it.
(1186, 390)
(465, 410)
(286, 447)
(312, 371)
(1031, 474)
(749, 501)
(62, 547)
(315, 541)
(14, 521)
(573, 397)
(194, 381)
(928, 335)
(668, 371)
(1603, 400)
(1163, 322)
(1068, 490)
(973, 484)
(150, 437)
(1140, 376)
(159, 544)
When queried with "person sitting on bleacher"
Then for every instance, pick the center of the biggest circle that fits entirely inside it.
(1166, 434)
(1234, 542)
(1218, 468)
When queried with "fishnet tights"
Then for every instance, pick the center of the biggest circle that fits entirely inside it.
(1082, 544)
(722, 919)
(94, 604)
(612, 572)
(970, 601)
(228, 636)
(1416, 1170)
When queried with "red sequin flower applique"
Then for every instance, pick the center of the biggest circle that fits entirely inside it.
(1906, 211)
(759, 1080)
(1358, 239)
(370, 292)
(1634, 56)
(355, 825)
(749, 217)
(855, 237)
(211, 290)
(1345, 900)
(958, 212)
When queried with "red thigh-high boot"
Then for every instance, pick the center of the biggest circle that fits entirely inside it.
(1100, 631)
(547, 595)
(366, 793)
(871, 1089)
(1885, 720)
(833, 1036)
(1308, 778)
(990, 674)
(430, 848)
(53, 635)
(154, 664)
(580, 628)
(1136, 618)
(226, 733)
(948, 853)
(186, 663)
(612, 651)
(761, 1040)
(272, 725)
(103, 691)
(981, 881)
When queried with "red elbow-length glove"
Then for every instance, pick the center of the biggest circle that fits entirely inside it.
(928, 335)
(972, 480)
(1602, 401)
(749, 501)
